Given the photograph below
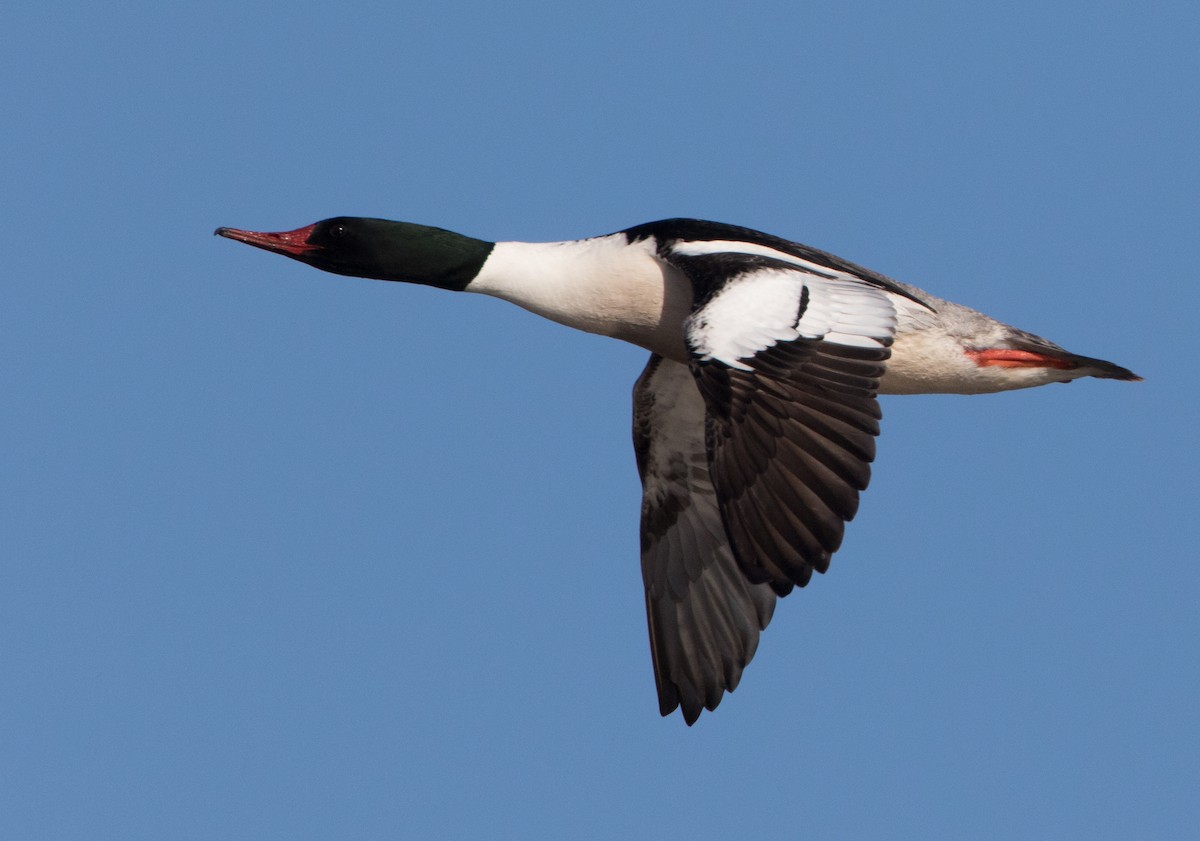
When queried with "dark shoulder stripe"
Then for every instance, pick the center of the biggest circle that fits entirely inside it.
(668, 232)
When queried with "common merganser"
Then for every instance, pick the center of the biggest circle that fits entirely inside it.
(755, 419)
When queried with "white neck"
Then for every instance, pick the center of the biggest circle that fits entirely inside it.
(601, 285)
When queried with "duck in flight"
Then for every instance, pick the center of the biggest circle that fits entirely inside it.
(754, 421)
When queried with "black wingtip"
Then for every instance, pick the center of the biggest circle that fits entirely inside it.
(689, 711)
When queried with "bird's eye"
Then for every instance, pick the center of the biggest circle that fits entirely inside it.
(337, 231)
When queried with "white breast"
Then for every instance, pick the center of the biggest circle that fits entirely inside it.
(603, 285)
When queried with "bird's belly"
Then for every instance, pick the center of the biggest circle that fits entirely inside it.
(935, 363)
(927, 362)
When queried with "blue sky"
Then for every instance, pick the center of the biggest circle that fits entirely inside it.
(289, 555)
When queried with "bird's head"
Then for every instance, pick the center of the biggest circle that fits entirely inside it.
(377, 248)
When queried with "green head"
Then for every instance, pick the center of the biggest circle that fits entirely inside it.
(379, 249)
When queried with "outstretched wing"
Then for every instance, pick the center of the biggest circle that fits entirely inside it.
(752, 456)
(787, 355)
(704, 614)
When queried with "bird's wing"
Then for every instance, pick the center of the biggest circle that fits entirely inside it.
(704, 614)
(752, 456)
(787, 356)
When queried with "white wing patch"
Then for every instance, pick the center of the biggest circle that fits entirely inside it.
(763, 307)
(848, 311)
(698, 248)
(751, 313)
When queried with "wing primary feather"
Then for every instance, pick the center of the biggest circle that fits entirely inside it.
(704, 615)
(753, 455)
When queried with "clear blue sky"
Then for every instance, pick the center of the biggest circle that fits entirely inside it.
(294, 556)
